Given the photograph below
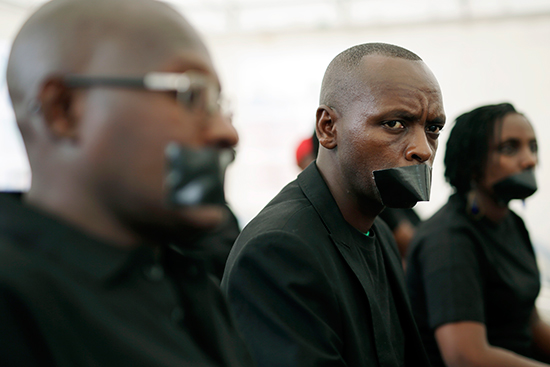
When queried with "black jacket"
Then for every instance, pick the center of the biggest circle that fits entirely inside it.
(299, 287)
(68, 299)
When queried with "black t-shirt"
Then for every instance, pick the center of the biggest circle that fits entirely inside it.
(461, 269)
(67, 299)
(390, 340)
(394, 216)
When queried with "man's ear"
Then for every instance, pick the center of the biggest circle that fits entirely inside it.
(56, 105)
(325, 127)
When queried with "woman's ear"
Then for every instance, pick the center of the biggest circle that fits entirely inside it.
(55, 101)
(325, 127)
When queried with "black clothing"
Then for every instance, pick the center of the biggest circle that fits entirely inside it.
(308, 289)
(67, 299)
(461, 269)
(394, 216)
(217, 244)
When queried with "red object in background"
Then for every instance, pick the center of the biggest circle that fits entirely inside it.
(304, 150)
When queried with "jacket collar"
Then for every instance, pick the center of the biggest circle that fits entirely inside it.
(316, 190)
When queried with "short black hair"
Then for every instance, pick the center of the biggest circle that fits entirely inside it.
(340, 72)
(468, 145)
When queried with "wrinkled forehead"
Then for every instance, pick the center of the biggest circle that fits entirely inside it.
(388, 84)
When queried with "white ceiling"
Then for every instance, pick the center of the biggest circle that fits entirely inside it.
(250, 16)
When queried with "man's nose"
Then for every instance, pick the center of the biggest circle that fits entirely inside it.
(418, 148)
(221, 132)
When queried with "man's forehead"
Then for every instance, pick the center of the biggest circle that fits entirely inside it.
(384, 69)
(185, 58)
(190, 59)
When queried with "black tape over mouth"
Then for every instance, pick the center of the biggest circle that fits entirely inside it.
(518, 186)
(403, 187)
(196, 176)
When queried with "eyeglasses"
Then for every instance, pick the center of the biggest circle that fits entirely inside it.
(194, 90)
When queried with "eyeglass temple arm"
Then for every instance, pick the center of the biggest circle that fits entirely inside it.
(151, 81)
(77, 81)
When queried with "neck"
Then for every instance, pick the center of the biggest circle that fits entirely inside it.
(490, 207)
(82, 211)
(358, 212)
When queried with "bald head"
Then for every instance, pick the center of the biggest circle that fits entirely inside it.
(339, 83)
(118, 37)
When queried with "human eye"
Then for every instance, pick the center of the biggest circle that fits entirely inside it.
(434, 129)
(192, 98)
(508, 148)
(394, 124)
(534, 146)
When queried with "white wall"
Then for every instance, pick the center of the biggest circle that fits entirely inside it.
(14, 168)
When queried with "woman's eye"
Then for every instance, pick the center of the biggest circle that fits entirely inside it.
(434, 129)
(394, 124)
(507, 149)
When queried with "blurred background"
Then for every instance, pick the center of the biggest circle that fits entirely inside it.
(271, 56)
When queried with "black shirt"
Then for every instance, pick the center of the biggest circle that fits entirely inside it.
(67, 299)
(461, 269)
(390, 339)
(218, 243)
(308, 289)
(393, 217)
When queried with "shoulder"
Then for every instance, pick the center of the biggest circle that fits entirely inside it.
(448, 237)
(274, 251)
(448, 222)
(18, 262)
(286, 240)
(22, 285)
(27, 270)
(517, 221)
(289, 212)
(288, 225)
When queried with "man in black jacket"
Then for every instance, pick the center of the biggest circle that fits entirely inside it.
(103, 90)
(315, 279)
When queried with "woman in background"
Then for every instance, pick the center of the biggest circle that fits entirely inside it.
(472, 273)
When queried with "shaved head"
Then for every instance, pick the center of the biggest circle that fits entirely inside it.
(118, 37)
(339, 83)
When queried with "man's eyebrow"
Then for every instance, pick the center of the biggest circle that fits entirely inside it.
(438, 120)
(407, 115)
(402, 114)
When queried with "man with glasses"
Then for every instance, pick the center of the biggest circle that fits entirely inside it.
(118, 105)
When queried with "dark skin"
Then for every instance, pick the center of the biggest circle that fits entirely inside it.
(97, 154)
(392, 120)
(465, 343)
(515, 150)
